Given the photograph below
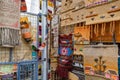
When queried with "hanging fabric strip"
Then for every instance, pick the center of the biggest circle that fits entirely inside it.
(119, 27)
(0, 37)
(113, 30)
(110, 28)
(95, 29)
(91, 27)
(9, 37)
(23, 7)
(84, 25)
(103, 29)
(88, 32)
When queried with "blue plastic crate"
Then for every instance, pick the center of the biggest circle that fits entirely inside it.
(28, 70)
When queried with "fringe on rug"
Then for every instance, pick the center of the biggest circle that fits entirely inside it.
(9, 37)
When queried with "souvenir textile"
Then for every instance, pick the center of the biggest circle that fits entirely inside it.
(105, 32)
(65, 55)
(23, 6)
(67, 5)
(78, 62)
(65, 51)
(101, 62)
(25, 29)
(9, 23)
(92, 3)
(98, 15)
(8, 71)
(9, 37)
(82, 34)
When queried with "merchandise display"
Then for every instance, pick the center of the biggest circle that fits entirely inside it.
(99, 64)
(79, 12)
(66, 18)
(78, 62)
(92, 3)
(78, 66)
(9, 23)
(65, 55)
(16, 54)
(8, 72)
(25, 31)
(55, 30)
(67, 5)
(23, 6)
(28, 38)
(93, 22)
(59, 39)
(28, 71)
(119, 66)
(97, 15)
(54, 43)
(81, 34)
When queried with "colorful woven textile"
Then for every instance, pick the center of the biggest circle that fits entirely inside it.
(9, 22)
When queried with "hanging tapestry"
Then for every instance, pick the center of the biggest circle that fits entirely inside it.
(91, 3)
(9, 22)
(4, 54)
(117, 31)
(6, 69)
(66, 29)
(67, 5)
(23, 7)
(79, 15)
(82, 35)
(65, 51)
(65, 55)
(111, 12)
(25, 47)
(55, 30)
(101, 62)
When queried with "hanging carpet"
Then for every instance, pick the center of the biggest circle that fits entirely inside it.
(9, 22)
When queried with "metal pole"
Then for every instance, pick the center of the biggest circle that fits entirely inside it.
(44, 33)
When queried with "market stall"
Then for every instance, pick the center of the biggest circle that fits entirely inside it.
(18, 27)
(92, 23)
